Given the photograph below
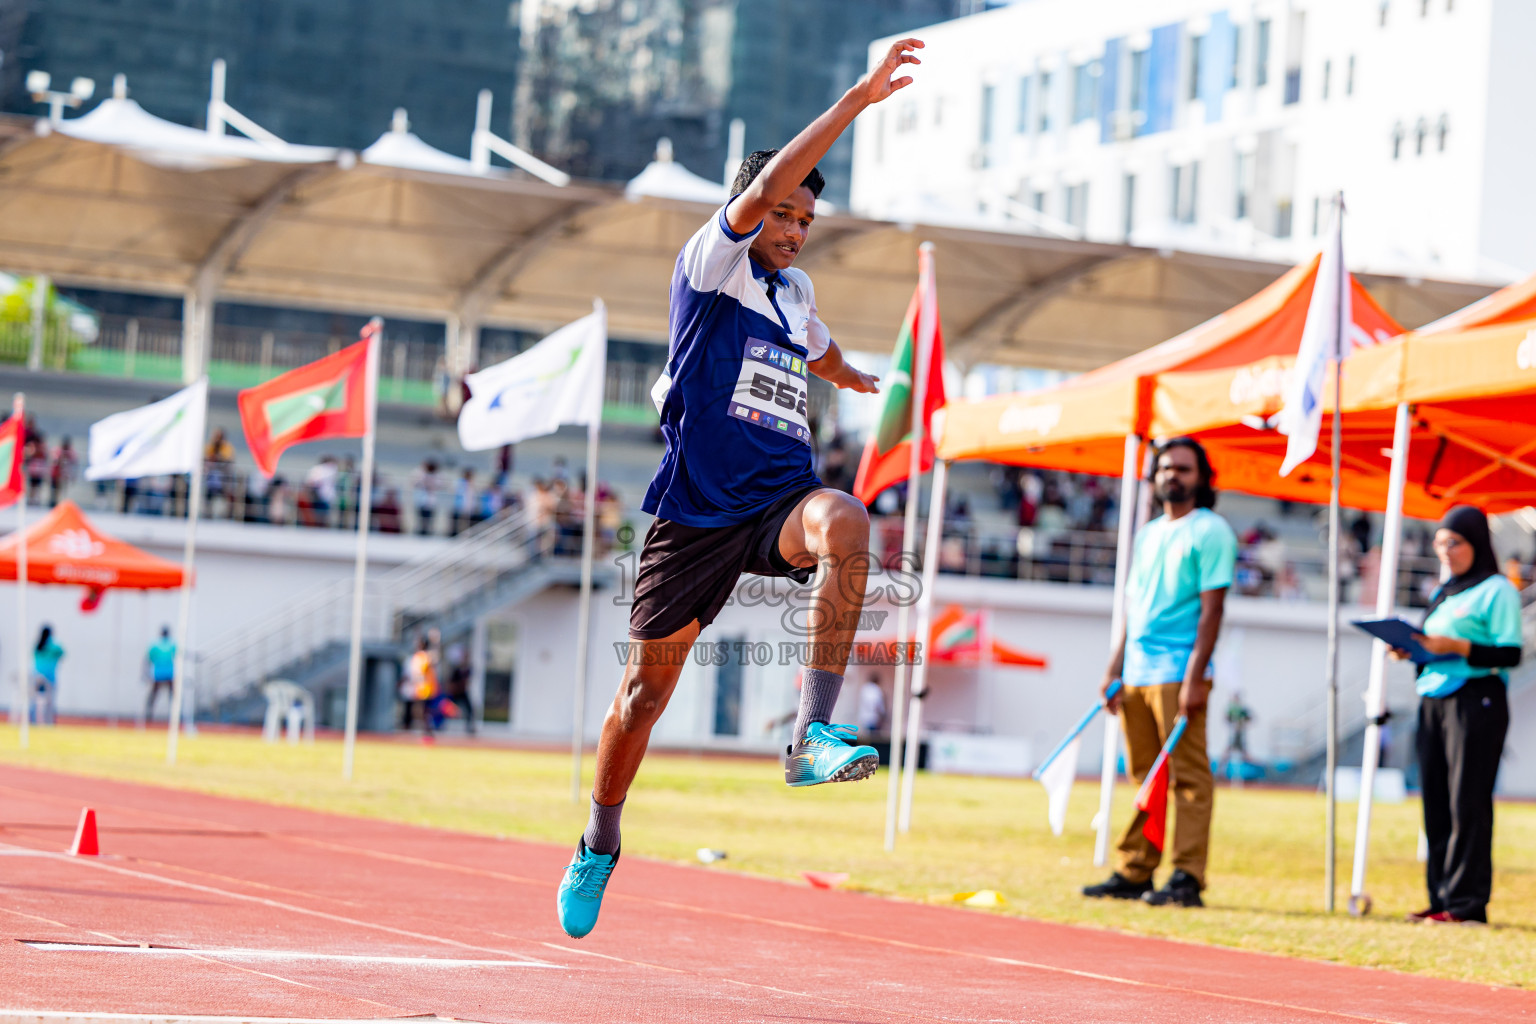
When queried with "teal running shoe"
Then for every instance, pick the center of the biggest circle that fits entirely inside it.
(827, 754)
(581, 890)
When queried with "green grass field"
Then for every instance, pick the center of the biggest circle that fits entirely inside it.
(1266, 874)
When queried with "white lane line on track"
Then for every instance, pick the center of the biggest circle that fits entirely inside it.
(44, 946)
(92, 862)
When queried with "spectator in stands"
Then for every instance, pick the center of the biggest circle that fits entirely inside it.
(464, 501)
(1514, 572)
(321, 482)
(349, 494)
(218, 467)
(424, 494)
(279, 501)
(45, 675)
(836, 467)
(34, 460)
(160, 671)
(62, 473)
(385, 514)
(872, 707)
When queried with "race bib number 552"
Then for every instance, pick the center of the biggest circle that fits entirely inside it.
(771, 391)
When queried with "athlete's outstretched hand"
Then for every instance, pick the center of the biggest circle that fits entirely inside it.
(857, 380)
(879, 84)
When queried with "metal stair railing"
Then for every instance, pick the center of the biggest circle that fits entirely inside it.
(476, 559)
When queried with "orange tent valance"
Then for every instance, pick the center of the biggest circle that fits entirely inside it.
(64, 547)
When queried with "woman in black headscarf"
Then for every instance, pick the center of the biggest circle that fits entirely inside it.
(1474, 624)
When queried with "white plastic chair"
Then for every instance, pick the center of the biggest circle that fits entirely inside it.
(288, 705)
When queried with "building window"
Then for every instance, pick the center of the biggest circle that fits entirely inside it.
(1349, 77)
(1077, 205)
(1139, 86)
(1085, 80)
(1185, 183)
(1037, 200)
(1196, 55)
(1317, 215)
(1283, 219)
(1292, 86)
(1045, 101)
(984, 136)
(1235, 79)
(1382, 15)
(1397, 140)
(1261, 55)
(1023, 120)
(1327, 77)
(1242, 172)
(1423, 8)
(906, 118)
(1129, 222)
(1442, 130)
(1420, 133)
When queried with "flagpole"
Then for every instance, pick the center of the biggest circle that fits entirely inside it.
(921, 353)
(375, 333)
(1109, 765)
(924, 625)
(588, 533)
(1331, 867)
(23, 681)
(184, 618)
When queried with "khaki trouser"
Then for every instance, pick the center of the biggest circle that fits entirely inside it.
(1147, 714)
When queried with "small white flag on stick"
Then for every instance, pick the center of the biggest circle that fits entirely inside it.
(160, 438)
(557, 381)
(1324, 338)
(1057, 780)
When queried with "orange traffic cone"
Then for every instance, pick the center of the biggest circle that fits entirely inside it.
(85, 844)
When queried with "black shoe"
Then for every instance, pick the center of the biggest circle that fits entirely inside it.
(1118, 887)
(1181, 891)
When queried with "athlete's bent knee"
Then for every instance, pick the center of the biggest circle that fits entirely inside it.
(641, 697)
(842, 525)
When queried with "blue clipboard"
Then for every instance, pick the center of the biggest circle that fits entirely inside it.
(1397, 633)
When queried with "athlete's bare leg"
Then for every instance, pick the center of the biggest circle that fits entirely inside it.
(650, 676)
(830, 528)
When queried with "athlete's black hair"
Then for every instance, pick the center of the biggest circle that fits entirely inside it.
(1205, 490)
(753, 165)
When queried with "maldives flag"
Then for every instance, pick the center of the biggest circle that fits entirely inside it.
(888, 455)
(327, 398)
(1153, 796)
(12, 441)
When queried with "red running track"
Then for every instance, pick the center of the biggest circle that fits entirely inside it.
(208, 906)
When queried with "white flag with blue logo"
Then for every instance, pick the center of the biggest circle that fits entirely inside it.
(557, 381)
(160, 438)
(1325, 337)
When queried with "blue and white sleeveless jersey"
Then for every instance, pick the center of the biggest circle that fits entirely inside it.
(733, 401)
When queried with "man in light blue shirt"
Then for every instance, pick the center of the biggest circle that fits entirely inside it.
(160, 666)
(1175, 595)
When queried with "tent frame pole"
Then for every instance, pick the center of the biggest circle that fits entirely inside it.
(906, 648)
(1375, 694)
(360, 569)
(924, 627)
(1130, 492)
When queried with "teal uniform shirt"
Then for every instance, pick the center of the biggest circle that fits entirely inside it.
(162, 661)
(1175, 561)
(1487, 614)
(46, 661)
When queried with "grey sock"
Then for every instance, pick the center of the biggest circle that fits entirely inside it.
(602, 834)
(818, 696)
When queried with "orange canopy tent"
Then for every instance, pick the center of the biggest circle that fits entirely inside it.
(64, 547)
(1081, 425)
(957, 637)
(1471, 397)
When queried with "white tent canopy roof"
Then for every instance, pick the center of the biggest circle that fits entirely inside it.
(664, 178)
(121, 210)
(119, 121)
(401, 147)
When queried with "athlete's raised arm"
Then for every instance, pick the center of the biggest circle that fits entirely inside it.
(787, 170)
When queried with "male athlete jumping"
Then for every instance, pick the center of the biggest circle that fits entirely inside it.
(736, 490)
